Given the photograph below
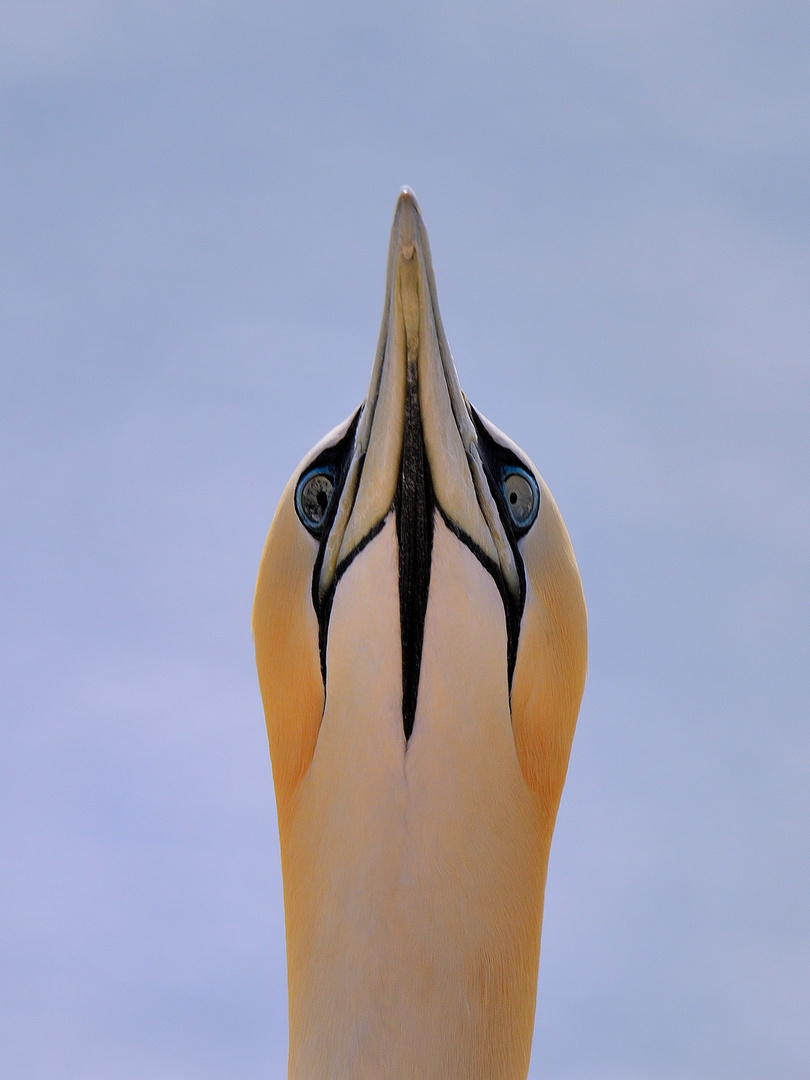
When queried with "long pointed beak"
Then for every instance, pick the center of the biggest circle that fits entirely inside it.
(413, 350)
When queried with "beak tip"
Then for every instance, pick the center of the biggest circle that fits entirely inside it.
(406, 195)
(407, 224)
(408, 205)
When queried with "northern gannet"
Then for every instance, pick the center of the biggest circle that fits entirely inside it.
(420, 637)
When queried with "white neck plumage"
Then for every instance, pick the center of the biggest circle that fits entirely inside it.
(414, 875)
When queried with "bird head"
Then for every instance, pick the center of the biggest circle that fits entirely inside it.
(419, 458)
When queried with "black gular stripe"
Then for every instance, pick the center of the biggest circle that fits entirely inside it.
(414, 513)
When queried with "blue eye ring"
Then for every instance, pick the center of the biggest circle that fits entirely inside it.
(313, 496)
(521, 496)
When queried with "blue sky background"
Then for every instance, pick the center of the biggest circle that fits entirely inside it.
(196, 200)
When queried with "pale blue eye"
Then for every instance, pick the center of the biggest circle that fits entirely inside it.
(313, 496)
(522, 496)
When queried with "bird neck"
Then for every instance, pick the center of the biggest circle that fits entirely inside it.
(414, 872)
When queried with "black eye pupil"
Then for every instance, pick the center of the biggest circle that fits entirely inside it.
(513, 498)
(322, 500)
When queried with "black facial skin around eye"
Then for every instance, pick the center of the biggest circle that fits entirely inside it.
(499, 462)
(338, 459)
(334, 463)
